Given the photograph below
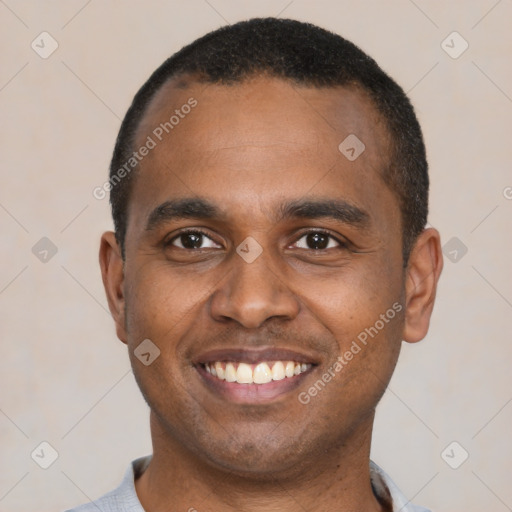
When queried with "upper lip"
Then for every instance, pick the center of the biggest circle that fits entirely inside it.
(254, 356)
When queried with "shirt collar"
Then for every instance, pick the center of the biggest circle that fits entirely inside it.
(388, 492)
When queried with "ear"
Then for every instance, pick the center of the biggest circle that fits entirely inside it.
(422, 275)
(112, 273)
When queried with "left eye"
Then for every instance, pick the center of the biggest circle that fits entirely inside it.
(318, 240)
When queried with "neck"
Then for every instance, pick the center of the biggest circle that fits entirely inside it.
(338, 479)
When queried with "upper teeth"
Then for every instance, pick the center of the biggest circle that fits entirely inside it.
(260, 373)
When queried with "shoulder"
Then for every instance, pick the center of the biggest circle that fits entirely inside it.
(121, 499)
(389, 491)
(100, 505)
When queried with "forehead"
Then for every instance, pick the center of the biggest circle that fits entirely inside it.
(262, 138)
(260, 105)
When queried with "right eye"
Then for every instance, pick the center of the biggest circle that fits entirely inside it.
(192, 239)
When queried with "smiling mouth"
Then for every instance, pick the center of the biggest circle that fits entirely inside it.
(247, 383)
(261, 373)
(254, 376)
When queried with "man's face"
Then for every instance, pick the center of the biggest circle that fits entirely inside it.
(250, 151)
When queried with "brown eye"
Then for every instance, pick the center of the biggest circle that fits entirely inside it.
(318, 240)
(192, 239)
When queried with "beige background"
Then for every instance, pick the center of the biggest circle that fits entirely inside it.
(66, 379)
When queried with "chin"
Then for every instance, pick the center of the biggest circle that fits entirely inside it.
(253, 463)
(256, 457)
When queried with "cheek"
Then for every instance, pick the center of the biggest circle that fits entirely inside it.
(363, 312)
(349, 300)
(160, 304)
(365, 317)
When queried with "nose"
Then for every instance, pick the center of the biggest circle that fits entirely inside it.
(251, 293)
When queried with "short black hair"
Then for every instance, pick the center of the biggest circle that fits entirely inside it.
(303, 54)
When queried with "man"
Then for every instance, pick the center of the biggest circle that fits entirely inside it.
(269, 191)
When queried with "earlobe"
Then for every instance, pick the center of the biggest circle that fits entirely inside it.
(422, 275)
(112, 273)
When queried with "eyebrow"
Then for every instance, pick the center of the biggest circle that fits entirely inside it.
(336, 209)
(199, 208)
(184, 208)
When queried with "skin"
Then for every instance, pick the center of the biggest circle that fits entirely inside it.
(248, 148)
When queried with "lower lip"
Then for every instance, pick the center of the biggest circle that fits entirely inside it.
(252, 393)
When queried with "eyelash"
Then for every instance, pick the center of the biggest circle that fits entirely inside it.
(341, 243)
